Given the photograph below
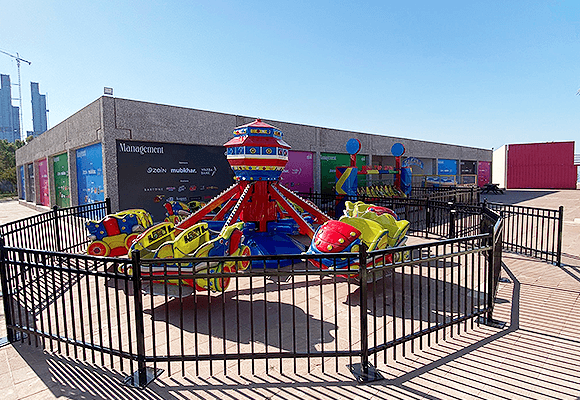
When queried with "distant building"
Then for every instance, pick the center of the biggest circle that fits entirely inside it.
(38, 110)
(9, 120)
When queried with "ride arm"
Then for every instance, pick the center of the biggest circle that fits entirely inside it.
(309, 207)
(202, 212)
(304, 226)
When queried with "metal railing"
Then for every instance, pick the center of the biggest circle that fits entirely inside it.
(535, 232)
(62, 229)
(106, 311)
(69, 303)
(86, 308)
(427, 218)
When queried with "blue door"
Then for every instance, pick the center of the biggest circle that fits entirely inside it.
(22, 183)
(90, 174)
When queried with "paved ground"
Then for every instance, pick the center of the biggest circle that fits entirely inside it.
(536, 356)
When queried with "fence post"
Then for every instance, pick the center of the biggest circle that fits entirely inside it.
(364, 340)
(494, 240)
(452, 217)
(490, 271)
(56, 229)
(560, 227)
(6, 298)
(365, 372)
(144, 375)
(108, 205)
(427, 217)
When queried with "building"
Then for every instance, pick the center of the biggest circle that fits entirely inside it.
(9, 114)
(535, 166)
(39, 124)
(141, 154)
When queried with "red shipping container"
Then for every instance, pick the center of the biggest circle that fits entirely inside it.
(541, 166)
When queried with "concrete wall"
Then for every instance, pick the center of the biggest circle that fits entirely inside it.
(109, 119)
(76, 131)
(79, 130)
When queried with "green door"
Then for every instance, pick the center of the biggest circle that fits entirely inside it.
(61, 181)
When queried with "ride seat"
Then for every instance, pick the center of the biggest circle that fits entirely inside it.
(397, 229)
(370, 230)
(185, 243)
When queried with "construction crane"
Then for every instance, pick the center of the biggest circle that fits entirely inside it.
(18, 59)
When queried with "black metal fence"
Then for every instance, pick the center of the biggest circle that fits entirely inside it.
(62, 229)
(535, 232)
(73, 304)
(286, 316)
(427, 218)
(289, 317)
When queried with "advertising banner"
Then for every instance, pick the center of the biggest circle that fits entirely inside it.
(90, 174)
(468, 167)
(328, 164)
(446, 167)
(298, 174)
(483, 173)
(152, 173)
(21, 180)
(43, 196)
(61, 180)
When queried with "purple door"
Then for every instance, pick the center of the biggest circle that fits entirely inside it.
(298, 174)
(483, 173)
(43, 197)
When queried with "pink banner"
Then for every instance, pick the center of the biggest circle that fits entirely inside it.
(43, 197)
(298, 174)
(483, 173)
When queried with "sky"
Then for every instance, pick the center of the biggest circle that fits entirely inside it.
(473, 73)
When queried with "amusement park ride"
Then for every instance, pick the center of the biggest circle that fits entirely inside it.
(255, 216)
(272, 213)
